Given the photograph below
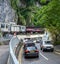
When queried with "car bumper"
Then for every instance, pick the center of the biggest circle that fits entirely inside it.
(31, 54)
(48, 48)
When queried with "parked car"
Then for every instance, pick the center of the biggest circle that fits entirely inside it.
(46, 45)
(31, 51)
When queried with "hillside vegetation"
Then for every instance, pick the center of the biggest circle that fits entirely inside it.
(47, 15)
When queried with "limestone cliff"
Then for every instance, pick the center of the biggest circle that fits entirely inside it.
(7, 14)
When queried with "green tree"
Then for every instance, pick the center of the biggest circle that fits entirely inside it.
(49, 17)
(15, 5)
(43, 1)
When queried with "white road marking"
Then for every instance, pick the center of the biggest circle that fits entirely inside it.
(43, 56)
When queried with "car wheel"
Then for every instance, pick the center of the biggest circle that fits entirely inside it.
(25, 56)
(37, 56)
(52, 50)
(41, 48)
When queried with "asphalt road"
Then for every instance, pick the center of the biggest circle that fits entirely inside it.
(44, 58)
(4, 53)
(2, 39)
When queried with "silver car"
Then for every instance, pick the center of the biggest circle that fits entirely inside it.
(46, 45)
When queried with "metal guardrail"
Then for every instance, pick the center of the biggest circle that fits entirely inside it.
(12, 58)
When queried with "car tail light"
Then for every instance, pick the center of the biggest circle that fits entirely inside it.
(26, 51)
(36, 51)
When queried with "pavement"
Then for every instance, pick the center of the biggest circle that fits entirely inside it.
(4, 53)
(57, 49)
(44, 58)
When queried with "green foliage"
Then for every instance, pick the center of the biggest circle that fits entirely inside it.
(43, 1)
(21, 20)
(29, 2)
(28, 12)
(46, 16)
(15, 6)
(49, 16)
(24, 13)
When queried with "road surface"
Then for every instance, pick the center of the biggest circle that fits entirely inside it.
(4, 53)
(44, 58)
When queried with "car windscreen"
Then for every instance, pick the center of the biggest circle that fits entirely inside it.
(31, 48)
(47, 42)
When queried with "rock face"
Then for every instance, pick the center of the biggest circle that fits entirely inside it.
(7, 14)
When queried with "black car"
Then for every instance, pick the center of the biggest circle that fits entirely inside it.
(28, 44)
(31, 51)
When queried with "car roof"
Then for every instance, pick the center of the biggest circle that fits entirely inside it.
(30, 44)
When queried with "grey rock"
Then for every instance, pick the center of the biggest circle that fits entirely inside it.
(7, 14)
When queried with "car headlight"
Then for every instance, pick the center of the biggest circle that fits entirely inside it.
(52, 46)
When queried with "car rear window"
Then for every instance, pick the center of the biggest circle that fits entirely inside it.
(31, 48)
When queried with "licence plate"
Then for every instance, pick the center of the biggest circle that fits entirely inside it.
(48, 48)
(32, 51)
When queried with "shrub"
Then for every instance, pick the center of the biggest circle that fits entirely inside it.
(43, 1)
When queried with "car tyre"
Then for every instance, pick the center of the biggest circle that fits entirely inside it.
(37, 56)
(52, 50)
(25, 56)
(41, 48)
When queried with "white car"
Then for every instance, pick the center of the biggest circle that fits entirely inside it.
(46, 45)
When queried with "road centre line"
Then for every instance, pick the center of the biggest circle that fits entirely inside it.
(43, 56)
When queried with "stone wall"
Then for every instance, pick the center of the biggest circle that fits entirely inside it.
(7, 14)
